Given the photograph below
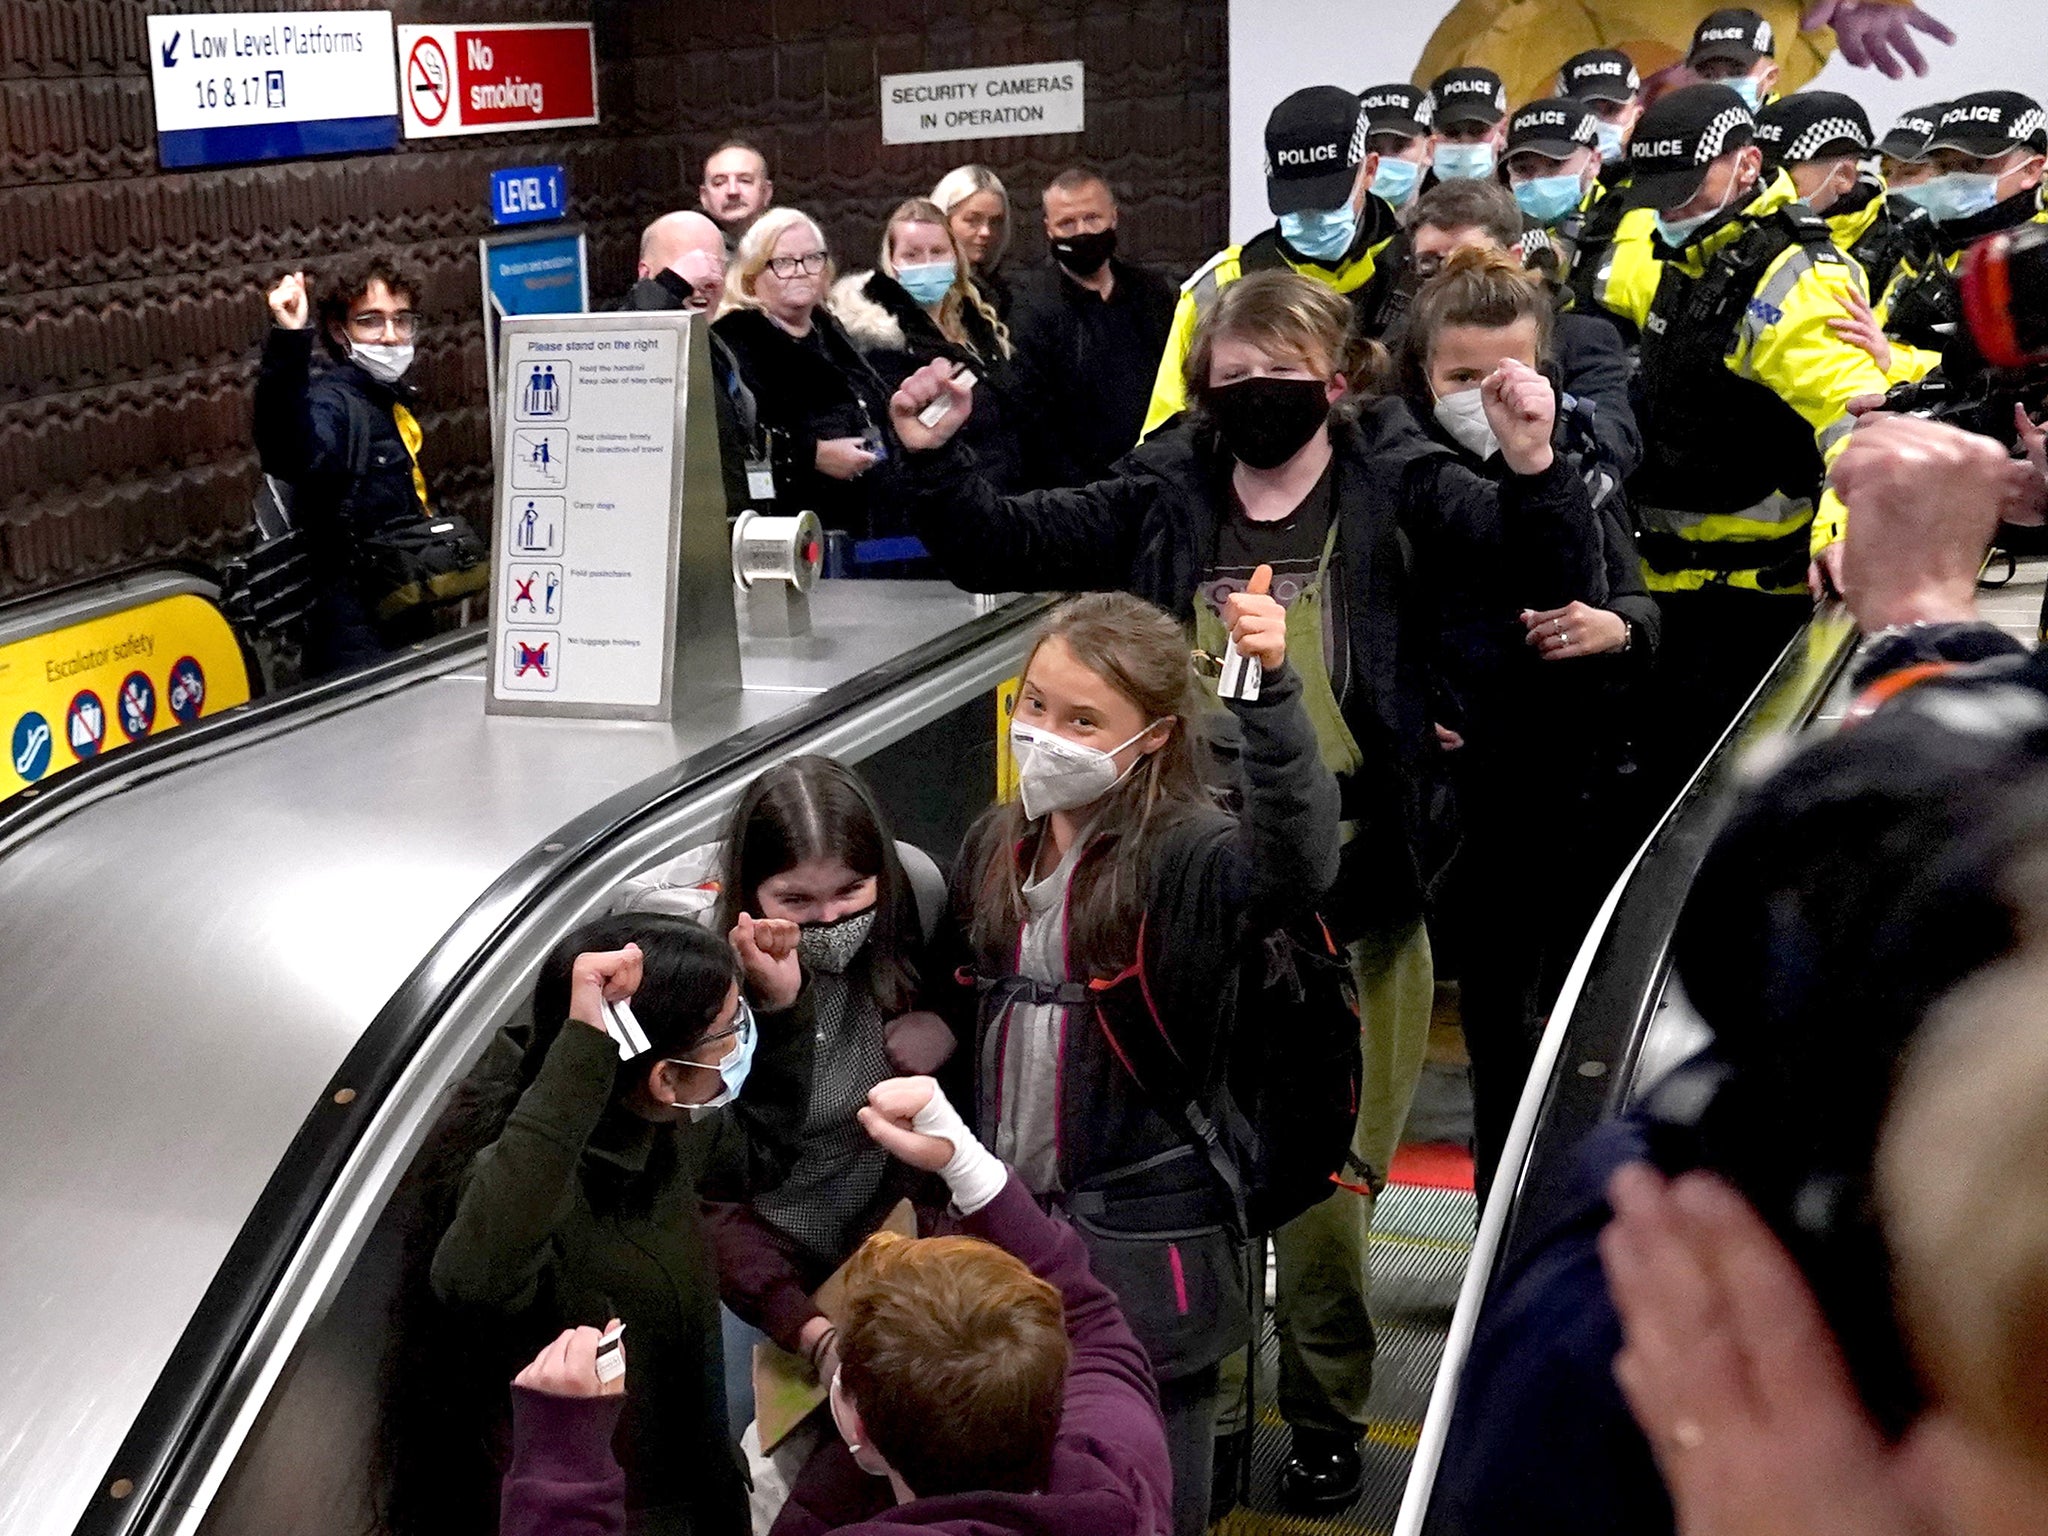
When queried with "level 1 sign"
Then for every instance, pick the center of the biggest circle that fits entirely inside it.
(272, 85)
(1000, 103)
(496, 79)
(529, 195)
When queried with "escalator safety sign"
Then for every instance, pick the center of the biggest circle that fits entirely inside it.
(85, 724)
(137, 703)
(30, 747)
(188, 689)
(149, 668)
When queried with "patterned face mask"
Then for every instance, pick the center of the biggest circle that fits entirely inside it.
(832, 947)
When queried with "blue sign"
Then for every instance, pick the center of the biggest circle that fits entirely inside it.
(137, 704)
(31, 746)
(529, 195)
(536, 277)
(188, 689)
(85, 724)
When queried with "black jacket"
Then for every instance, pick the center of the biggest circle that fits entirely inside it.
(1095, 359)
(808, 390)
(1213, 882)
(329, 434)
(1007, 429)
(1409, 517)
(1593, 366)
(740, 434)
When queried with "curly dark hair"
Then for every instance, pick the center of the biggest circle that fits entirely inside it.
(347, 283)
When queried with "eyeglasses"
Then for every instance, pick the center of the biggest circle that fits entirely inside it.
(810, 264)
(742, 1023)
(368, 327)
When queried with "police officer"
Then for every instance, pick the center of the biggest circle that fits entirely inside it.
(1397, 130)
(1468, 109)
(1605, 79)
(1903, 237)
(1330, 225)
(1988, 151)
(1553, 169)
(1744, 387)
(1737, 48)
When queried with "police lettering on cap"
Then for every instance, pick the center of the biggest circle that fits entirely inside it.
(1990, 123)
(1315, 141)
(1554, 127)
(1599, 74)
(1395, 108)
(1680, 137)
(1739, 36)
(1812, 125)
(1908, 137)
(1466, 96)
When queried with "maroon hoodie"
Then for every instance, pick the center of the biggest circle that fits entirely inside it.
(1109, 1468)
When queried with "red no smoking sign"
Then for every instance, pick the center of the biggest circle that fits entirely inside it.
(427, 85)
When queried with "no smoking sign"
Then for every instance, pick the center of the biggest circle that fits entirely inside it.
(427, 82)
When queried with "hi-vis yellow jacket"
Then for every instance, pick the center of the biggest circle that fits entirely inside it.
(1784, 343)
(1264, 252)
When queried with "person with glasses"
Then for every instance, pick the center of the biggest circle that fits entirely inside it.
(345, 436)
(562, 1188)
(809, 380)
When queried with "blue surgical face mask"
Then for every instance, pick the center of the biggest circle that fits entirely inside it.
(928, 283)
(1749, 88)
(1462, 162)
(1547, 199)
(1678, 233)
(1920, 194)
(1396, 180)
(1957, 195)
(732, 1072)
(1321, 234)
(1612, 147)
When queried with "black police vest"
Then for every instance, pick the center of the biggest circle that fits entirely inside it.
(1718, 443)
(1901, 233)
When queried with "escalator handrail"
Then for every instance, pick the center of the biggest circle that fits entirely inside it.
(1587, 1058)
(234, 1301)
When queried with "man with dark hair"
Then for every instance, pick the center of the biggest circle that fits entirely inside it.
(346, 438)
(1090, 325)
(736, 189)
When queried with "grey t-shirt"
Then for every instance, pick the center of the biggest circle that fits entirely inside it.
(1028, 1038)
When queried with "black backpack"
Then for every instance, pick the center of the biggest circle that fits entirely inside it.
(1276, 1121)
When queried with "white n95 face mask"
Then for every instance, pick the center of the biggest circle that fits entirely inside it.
(1055, 774)
(1463, 415)
(386, 363)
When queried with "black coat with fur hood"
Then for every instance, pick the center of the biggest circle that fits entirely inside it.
(1008, 430)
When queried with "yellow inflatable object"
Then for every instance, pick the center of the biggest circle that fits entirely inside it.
(1525, 41)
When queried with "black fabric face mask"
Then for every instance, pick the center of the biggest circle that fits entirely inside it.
(1265, 422)
(1083, 255)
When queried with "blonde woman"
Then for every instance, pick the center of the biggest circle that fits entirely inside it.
(921, 304)
(813, 389)
(977, 208)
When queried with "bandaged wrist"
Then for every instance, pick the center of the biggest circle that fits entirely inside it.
(974, 1174)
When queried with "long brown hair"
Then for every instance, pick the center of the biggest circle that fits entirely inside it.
(1477, 286)
(1141, 652)
(963, 294)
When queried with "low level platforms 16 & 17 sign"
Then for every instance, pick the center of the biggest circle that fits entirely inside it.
(496, 79)
(271, 85)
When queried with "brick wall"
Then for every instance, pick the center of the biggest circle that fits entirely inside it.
(131, 304)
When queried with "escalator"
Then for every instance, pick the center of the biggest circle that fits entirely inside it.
(245, 962)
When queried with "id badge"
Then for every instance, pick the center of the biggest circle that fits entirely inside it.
(760, 480)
